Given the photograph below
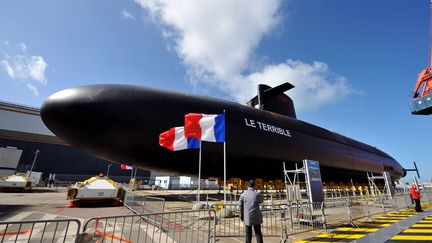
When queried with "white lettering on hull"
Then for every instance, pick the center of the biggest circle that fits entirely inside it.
(266, 127)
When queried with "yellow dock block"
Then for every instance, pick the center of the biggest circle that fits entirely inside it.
(418, 231)
(376, 225)
(422, 225)
(425, 221)
(391, 217)
(383, 221)
(340, 236)
(357, 229)
(400, 213)
(411, 237)
(311, 241)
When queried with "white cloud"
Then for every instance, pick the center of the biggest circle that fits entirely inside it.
(33, 89)
(25, 67)
(214, 36)
(30, 69)
(314, 83)
(126, 15)
(23, 46)
(216, 39)
(9, 70)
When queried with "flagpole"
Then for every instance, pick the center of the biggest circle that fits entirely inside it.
(199, 175)
(225, 173)
(225, 161)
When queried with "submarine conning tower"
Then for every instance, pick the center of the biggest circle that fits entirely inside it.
(274, 99)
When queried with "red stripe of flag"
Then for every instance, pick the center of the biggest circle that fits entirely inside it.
(126, 167)
(166, 139)
(192, 128)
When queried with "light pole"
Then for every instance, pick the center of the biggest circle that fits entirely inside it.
(34, 161)
(109, 166)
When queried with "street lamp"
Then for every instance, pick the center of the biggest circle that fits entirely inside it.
(109, 166)
(34, 161)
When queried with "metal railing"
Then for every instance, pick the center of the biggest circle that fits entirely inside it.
(140, 204)
(302, 216)
(151, 224)
(179, 226)
(57, 230)
(229, 224)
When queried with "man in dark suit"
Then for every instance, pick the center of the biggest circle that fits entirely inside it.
(250, 212)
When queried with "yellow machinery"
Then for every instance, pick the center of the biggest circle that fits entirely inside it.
(95, 188)
(16, 182)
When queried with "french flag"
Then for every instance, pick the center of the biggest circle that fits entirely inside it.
(174, 140)
(204, 127)
(126, 167)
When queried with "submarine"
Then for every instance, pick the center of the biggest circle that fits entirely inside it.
(122, 123)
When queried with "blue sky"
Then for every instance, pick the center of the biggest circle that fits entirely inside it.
(354, 63)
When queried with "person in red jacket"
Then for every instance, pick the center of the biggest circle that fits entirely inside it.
(415, 195)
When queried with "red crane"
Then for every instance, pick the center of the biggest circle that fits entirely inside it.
(421, 102)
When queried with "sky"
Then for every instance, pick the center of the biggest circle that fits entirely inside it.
(354, 63)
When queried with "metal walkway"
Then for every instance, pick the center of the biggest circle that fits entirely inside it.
(417, 231)
(404, 227)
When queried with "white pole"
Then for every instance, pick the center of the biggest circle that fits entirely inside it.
(132, 171)
(199, 175)
(34, 161)
(225, 172)
(225, 161)
(109, 166)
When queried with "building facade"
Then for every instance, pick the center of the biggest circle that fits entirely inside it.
(21, 127)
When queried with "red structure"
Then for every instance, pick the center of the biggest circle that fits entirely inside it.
(421, 103)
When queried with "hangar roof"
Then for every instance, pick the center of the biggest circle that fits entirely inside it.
(24, 123)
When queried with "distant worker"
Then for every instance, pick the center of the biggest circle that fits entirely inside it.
(415, 195)
(51, 180)
(250, 212)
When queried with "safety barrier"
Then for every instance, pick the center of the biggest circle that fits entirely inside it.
(427, 195)
(179, 226)
(151, 224)
(302, 216)
(229, 224)
(336, 213)
(57, 230)
(141, 204)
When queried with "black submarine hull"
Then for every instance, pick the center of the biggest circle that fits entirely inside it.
(122, 123)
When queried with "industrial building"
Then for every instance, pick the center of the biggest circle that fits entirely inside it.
(22, 133)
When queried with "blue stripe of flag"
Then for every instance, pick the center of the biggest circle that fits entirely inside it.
(193, 143)
(219, 127)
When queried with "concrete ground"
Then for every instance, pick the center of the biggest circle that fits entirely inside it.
(48, 201)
